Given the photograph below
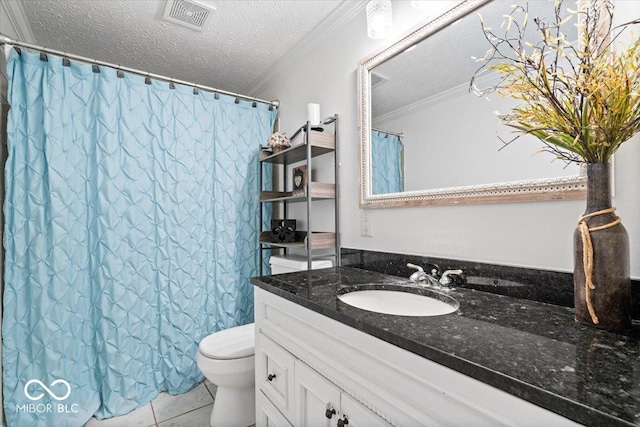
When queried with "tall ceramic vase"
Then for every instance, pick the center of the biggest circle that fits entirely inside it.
(606, 304)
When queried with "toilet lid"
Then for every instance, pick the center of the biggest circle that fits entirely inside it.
(232, 343)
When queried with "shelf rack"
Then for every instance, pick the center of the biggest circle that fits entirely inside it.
(313, 143)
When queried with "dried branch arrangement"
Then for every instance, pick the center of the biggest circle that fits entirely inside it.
(582, 100)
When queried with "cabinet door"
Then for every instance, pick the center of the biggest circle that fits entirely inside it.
(274, 374)
(267, 415)
(359, 415)
(317, 401)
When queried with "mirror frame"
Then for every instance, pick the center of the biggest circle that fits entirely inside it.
(560, 188)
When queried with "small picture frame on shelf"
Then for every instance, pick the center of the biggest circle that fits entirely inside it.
(299, 174)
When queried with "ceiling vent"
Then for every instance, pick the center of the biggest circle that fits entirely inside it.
(377, 79)
(188, 13)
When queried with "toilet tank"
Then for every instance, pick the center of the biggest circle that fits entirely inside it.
(290, 263)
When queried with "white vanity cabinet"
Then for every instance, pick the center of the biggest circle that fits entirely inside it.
(308, 364)
(301, 394)
(359, 415)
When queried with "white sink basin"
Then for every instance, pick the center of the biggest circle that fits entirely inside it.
(400, 303)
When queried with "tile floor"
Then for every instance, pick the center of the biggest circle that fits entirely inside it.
(191, 409)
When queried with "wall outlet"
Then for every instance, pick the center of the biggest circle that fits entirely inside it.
(365, 224)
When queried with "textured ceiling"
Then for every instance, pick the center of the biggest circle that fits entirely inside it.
(239, 44)
(444, 60)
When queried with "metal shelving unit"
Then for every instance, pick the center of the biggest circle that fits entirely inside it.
(313, 143)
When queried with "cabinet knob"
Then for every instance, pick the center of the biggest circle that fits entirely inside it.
(271, 377)
(330, 413)
(343, 422)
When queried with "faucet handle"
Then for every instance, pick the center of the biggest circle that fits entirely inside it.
(417, 267)
(445, 279)
(418, 276)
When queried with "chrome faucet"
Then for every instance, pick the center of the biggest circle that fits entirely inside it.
(421, 276)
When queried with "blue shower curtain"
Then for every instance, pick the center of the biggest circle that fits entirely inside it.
(131, 227)
(386, 163)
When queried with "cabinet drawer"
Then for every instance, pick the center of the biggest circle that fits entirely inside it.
(268, 415)
(275, 374)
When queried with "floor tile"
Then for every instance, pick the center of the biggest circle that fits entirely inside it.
(141, 417)
(166, 406)
(197, 418)
(212, 387)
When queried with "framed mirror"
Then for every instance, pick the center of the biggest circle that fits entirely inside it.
(425, 139)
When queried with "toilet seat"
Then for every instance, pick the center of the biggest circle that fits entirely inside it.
(233, 343)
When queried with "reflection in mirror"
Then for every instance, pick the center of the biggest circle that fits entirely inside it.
(452, 145)
(387, 162)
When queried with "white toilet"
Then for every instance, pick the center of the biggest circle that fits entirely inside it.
(227, 359)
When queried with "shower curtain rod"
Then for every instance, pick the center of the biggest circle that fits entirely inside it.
(399, 135)
(8, 40)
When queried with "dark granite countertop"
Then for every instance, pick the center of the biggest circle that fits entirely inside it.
(530, 349)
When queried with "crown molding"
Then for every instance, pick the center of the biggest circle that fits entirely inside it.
(333, 22)
(15, 14)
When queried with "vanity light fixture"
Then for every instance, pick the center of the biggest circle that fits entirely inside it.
(379, 20)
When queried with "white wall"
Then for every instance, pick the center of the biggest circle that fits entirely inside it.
(537, 235)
